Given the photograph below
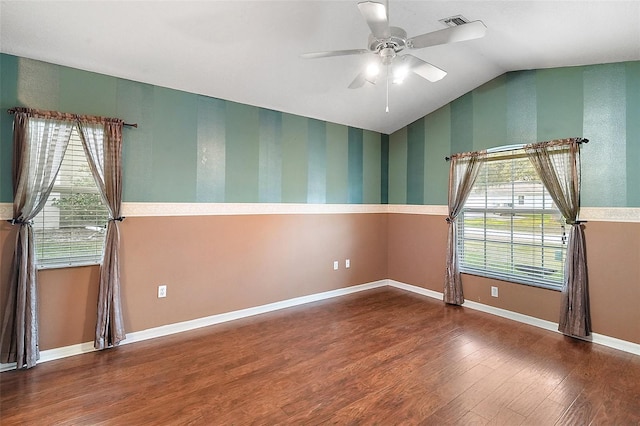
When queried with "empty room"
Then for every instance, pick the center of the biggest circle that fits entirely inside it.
(320, 212)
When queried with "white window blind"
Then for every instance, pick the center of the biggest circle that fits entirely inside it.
(510, 228)
(70, 229)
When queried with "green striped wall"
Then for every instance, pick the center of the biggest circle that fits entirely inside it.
(599, 102)
(354, 155)
(415, 162)
(384, 169)
(193, 148)
(633, 130)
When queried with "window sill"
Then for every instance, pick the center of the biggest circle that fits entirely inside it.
(67, 265)
(529, 283)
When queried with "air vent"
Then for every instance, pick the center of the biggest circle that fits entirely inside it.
(454, 21)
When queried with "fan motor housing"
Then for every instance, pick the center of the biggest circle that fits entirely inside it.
(397, 41)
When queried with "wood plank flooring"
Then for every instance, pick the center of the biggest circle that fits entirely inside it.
(378, 357)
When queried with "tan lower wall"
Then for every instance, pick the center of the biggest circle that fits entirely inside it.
(211, 265)
(416, 249)
(216, 264)
(417, 246)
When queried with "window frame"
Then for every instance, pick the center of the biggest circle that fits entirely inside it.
(41, 224)
(531, 275)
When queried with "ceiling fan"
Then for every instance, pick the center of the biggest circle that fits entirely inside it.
(386, 42)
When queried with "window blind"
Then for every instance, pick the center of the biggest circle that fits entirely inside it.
(70, 229)
(510, 228)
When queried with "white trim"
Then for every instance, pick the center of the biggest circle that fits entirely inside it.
(206, 209)
(515, 316)
(7, 367)
(599, 339)
(415, 289)
(614, 343)
(595, 214)
(610, 214)
(66, 351)
(165, 330)
(57, 353)
(6, 211)
(418, 209)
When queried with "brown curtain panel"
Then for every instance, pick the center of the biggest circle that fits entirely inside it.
(463, 171)
(39, 144)
(558, 165)
(102, 142)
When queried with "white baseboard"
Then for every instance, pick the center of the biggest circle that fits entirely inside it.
(165, 330)
(599, 339)
(57, 353)
(415, 289)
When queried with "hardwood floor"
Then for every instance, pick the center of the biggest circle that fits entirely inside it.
(378, 357)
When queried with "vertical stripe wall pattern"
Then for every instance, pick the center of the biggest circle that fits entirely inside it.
(355, 151)
(599, 102)
(633, 132)
(384, 169)
(194, 148)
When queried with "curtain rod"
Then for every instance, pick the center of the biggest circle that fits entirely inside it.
(13, 111)
(513, 147)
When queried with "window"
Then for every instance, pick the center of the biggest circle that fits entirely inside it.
(70, 229)
(510, 228)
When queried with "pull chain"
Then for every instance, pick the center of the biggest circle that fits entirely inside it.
(387, 108)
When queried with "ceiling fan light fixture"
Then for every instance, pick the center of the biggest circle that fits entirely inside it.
(373, 70)
(386, 43)
(400, 73)
(387, 54)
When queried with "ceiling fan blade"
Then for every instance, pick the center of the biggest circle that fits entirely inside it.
(470, 31)
(424, 69)
(358, 82)
(314, 55)
(376, 16)
(361, 79)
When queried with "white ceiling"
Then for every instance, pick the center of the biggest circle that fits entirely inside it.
(249, 52)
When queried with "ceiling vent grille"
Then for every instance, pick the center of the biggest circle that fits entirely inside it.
(454, 21)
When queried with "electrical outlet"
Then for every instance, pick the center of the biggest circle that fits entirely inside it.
(162, 291)
(335, 265)
(347, 263)
(494, 291)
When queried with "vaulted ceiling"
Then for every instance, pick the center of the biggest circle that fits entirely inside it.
(249, 51)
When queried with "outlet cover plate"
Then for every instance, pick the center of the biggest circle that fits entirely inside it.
(162, 291)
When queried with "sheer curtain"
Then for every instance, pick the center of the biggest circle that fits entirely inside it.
(39, 143)
(463, 171)
(102, 142)
(558, 165)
